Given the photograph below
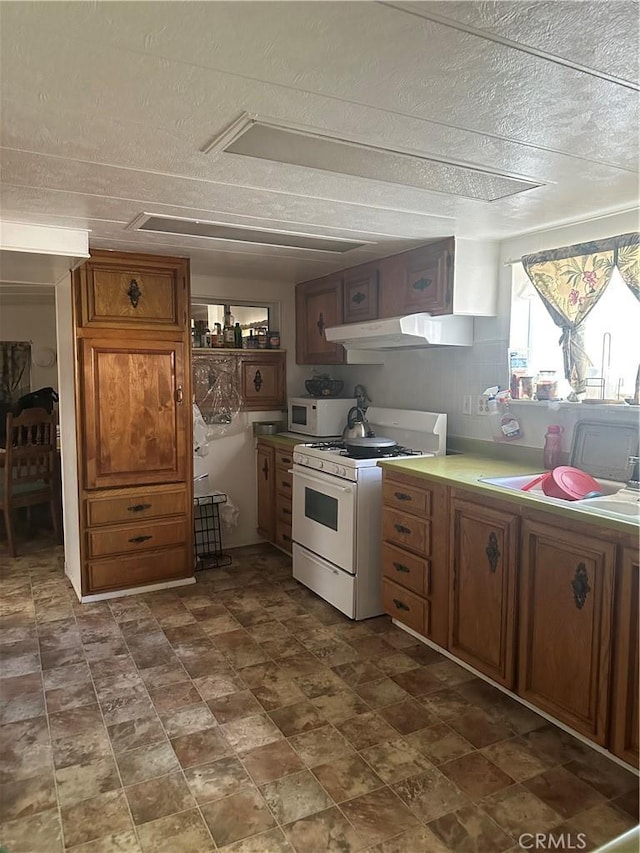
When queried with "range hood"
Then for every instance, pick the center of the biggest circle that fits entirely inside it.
(412, 331)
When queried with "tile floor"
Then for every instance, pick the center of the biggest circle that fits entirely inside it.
(244, 713)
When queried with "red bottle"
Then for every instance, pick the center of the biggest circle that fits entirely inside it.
(552, 453)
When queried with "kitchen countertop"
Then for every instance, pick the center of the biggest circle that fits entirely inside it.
(281, 440)
(466, 470)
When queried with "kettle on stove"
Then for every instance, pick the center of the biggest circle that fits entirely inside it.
(357, 425)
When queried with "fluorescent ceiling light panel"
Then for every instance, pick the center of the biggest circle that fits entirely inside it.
(241, 234)
(268, 141)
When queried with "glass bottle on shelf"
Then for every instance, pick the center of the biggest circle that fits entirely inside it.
(237, 336)
(547, 385)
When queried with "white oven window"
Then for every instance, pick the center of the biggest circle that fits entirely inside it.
(321, 508)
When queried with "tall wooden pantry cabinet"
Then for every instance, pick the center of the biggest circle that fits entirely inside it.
(133, 398)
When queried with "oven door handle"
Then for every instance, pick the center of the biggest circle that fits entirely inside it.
(329, 483)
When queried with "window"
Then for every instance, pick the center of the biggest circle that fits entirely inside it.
(611, 338)
(250, 317)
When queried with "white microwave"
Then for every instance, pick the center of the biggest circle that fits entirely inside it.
(319, 416)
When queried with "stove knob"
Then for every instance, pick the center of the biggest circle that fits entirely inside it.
(320, 465)
(304, 460)
(341, 472)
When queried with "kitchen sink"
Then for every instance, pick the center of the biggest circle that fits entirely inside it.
(625, 503)
(616, 500)
(517, 481)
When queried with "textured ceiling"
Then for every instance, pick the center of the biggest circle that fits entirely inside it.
(108, 107)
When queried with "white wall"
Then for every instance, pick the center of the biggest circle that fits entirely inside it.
(68, 427)
(437, 379)
(31, 318)
(231, 463)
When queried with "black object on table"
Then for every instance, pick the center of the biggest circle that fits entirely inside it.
(207, 532)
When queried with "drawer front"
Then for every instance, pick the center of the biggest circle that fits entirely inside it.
(150, 567)
(134, 506)
(406, 530)
(284, 458)
(406, 569)
(406, 498)
(129, 538)
(283, 535)
(404, 606)
(284, 482)
(284, 509)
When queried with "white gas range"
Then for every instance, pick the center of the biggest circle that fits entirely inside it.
(337, 508)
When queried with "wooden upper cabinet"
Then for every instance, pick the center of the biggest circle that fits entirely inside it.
(262, 381)
(360, 294)
(318, 306)
(136, 411)
(255, 379)
(427, 283)
(624, 721)
(125, 291)
(565, 625)
(482, 599)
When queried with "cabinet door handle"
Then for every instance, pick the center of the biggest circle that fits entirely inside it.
(320, 324)
(286, 510)
(286, 538)
(134, 293)
(402, 529)
(138, 507)
(265, 469)
(400, 604)
(492, 551)
(179, 394)
(421, 284)
(400, 567)
(580, 586)
(285, 484)
(138, 539)
(358, 298)
(257, 381)
(402, 496)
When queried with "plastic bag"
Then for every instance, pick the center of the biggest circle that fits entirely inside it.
(200, 433)
(217, 394)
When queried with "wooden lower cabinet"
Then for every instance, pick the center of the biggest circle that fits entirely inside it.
(415, 553)
(624, 709)
(483, 596)
(274, 494)
(266, 479)
(566, 603)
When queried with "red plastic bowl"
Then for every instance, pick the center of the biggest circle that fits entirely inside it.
(569, 484)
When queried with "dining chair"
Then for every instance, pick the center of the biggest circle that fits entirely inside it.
(30, 474)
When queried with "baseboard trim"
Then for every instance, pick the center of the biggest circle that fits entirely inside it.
(135, 590)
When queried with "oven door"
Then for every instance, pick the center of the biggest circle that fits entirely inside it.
(324, 516)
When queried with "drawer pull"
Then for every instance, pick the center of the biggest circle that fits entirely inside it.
(257, 381)
(285, 460)
(138, 507)
(402, 529)
(286, 538)
(285, 484)
(140, 538)
(286, 511)
(402, 496)
(400, 567)
(400, 604)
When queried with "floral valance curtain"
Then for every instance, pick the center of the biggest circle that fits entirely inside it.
(15, 370)
(571, 280)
